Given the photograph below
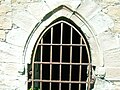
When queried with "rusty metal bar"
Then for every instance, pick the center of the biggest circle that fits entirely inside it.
(41, 53)
(51, 57)
(80, 68)
(70, 73)
(60, 81)
(32, 76)
(89, 77)
(61, 37)
(62, 63)
(47, 44)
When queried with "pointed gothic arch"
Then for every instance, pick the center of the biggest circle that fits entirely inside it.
(78, 19)
(61, 58)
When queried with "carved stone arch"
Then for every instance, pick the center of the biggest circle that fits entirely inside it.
(78, 19)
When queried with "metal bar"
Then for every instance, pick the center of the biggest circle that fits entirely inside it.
(89, 76)
(80, 68)
(60, 81)
(41, 50)
(33, 74)
(61, 37)
(51, 56)
(62, 63)
(47, 44)
(70, 74)
(33, 58)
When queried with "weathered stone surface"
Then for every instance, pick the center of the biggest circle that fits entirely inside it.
(4, 9)
(88, 9)
(102, 84)
(114, 13)
(38, 10)
(108, 40)
(16, 35)
(101, 22)
(117, 27)
(110, 1)
(5, 16)
(10, 53)
(73, 4)
(21, 1)
(27, 1)
(100, 72)
(24, 20)
(5, 22)
(112, 58)
(113, 73)
(2, 35)
(13, 1)
(10, 74)
(25, 15)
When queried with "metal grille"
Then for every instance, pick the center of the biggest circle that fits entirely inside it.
(61, 60)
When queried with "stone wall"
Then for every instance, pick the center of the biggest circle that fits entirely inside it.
(19, 17)
(110, 39)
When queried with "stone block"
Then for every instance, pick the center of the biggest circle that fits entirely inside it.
(17, 36)
(4, 9)
(38, 10)
(24, 20)
(113, 73)
(5, 22)
(112, 58)
(114, 13)
(5, 16)
(2, 35)
(88, 9)
(11, 67)
(107, 40)
(101, 84)
(27, 1)
(101, 22)
(73, 4)
(117, 27)
(110, 1)
(13, 1)
(10, 53)
(21, 1)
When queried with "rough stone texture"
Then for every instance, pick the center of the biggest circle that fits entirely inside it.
(108, 40)
(26, 23)
(112, 73)
(38, 10)
(101, 20)
(19, 17)
(112, 58)
(10, 74)
(18, 36)
(5, 17)
(102, 84)
(2, 35)
(11, 67)
(5, 22)
(4, 8)
(110, 1)
(114, 13)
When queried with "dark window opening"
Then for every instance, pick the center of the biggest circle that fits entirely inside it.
(60, 60)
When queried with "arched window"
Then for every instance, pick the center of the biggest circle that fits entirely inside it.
(61, 59)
